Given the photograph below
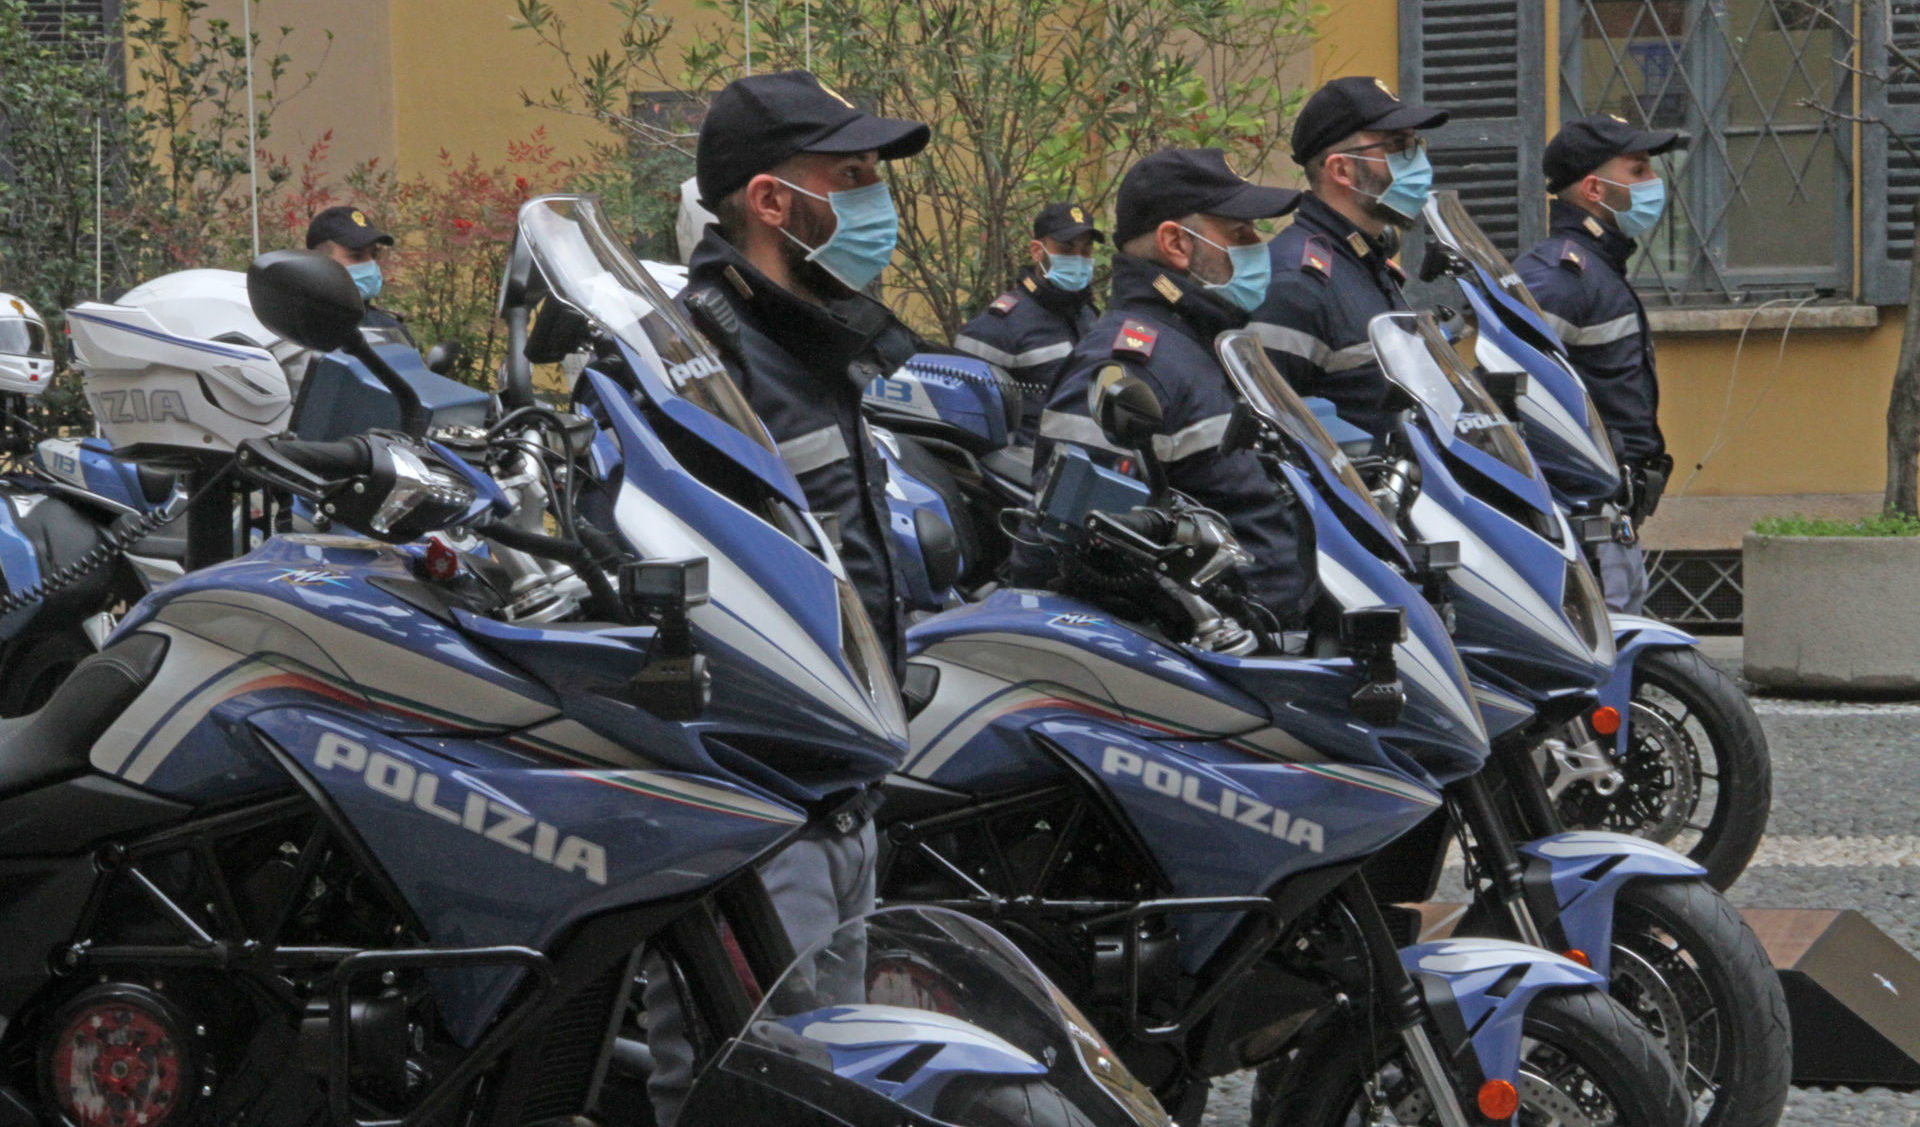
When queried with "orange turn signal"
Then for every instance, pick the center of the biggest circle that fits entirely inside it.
(1499, 1100)
(1578, 956)
(1606, 720)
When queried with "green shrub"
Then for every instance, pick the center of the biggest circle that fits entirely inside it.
(1879, 524)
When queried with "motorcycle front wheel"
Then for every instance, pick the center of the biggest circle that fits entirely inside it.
(1584, 1062)
(1697, 775)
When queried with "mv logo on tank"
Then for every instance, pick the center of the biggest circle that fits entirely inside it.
(138, 406)
(463, 807)
(1223, 802)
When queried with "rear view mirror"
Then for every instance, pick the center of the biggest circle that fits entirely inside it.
(443, 356)
(307, 298)
(1124, 407)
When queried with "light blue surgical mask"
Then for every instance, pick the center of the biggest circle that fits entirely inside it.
(866, 229)
(1412, 181)
(1071, 272)
(1252, 273)
(366, 277)
(1649, 199)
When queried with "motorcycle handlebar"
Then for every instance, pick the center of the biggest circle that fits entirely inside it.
(1151, 524)
(349, 457)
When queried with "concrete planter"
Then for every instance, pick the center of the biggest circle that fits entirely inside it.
(1833, 614)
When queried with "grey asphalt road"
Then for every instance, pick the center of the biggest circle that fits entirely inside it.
(1844, 833)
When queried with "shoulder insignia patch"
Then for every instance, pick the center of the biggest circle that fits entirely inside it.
(1164, 286)
(1359, 244)
(1004, 304)
(1593, 227)
(1031, 288)
(1135, 338)
(1572, 257)
(1316, 257)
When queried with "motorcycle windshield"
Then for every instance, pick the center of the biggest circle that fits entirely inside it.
(21, 337)
(1267, 392)
(931, 1011)
(1418, 358)
(1448, 222)
(583, 263)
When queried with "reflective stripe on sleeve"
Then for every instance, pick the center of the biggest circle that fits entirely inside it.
(1587, 336)
(814, 450)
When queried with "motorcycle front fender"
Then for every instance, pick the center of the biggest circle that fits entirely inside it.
(1633, 636)
(1480, 989)
(1585, 870)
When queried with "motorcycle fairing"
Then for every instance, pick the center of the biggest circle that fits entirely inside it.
(489, 846)
(1473, 979)
(1221, 821)
(1508, 589)
(962, 394)
(1585, 869)
(1633, 636)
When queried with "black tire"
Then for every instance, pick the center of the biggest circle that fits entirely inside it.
(1712, 734)
(1564, 1031)
(1720, 986)
(37, 668)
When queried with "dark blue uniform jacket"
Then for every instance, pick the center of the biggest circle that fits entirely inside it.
(1579, 277)
(1161, 328)
(803, 367)
(1029, 331)
(1329, 281)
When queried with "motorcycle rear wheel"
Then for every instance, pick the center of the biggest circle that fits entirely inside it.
(1585, 1062)
(1707, 743)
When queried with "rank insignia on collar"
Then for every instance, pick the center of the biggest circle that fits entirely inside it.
(1593, 226)
(1136, 338)
(1004, 304)
(1359, 244)
(1164, 286)
(1031, 288)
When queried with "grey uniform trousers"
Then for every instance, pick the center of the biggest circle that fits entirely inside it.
(1623, 576)
(816, 884)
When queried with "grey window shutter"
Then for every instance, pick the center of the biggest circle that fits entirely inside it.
(1890, 179)
(1485, 62)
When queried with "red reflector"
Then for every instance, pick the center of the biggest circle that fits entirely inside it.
(442, 562)
(1606, 721)
(1498, 1100)
(1578, 956)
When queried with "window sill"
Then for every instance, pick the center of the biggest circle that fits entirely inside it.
(1772, 318)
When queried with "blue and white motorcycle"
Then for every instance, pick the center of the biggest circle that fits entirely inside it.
(1685, 761)
(346, 833)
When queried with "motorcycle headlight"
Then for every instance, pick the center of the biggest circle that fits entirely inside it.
(1586, 608)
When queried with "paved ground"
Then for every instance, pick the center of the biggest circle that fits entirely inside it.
(1844, 833)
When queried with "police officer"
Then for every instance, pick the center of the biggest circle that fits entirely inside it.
(803, 224)
(1367, 177)
(1191, 265)
(1606, 195)
(344, 235)
(1030, 329)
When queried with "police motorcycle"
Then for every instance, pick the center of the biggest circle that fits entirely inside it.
(1175, 811)
(352, 833)
(1685, 736)
(1529, 623)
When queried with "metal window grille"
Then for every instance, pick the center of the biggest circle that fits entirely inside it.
(1696, 589)
(1759, 206)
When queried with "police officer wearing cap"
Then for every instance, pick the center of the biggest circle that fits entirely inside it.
(1030, 329)
(1367, 178)
(803, 224)
(1191, 265)
(345, 235)
(1606, 195)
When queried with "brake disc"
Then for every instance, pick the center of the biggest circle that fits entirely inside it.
(1652, 999)
(1660, 784)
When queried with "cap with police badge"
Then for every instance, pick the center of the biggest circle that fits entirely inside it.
(1345, 106)
(347, 226)
(1173, 183)
(1586, 143)
(1063, 223)
(757, 122)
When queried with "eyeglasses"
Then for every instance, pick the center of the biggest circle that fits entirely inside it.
(1393, 146)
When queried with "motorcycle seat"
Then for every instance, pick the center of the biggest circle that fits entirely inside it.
(54, 744)
(1011, 464)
